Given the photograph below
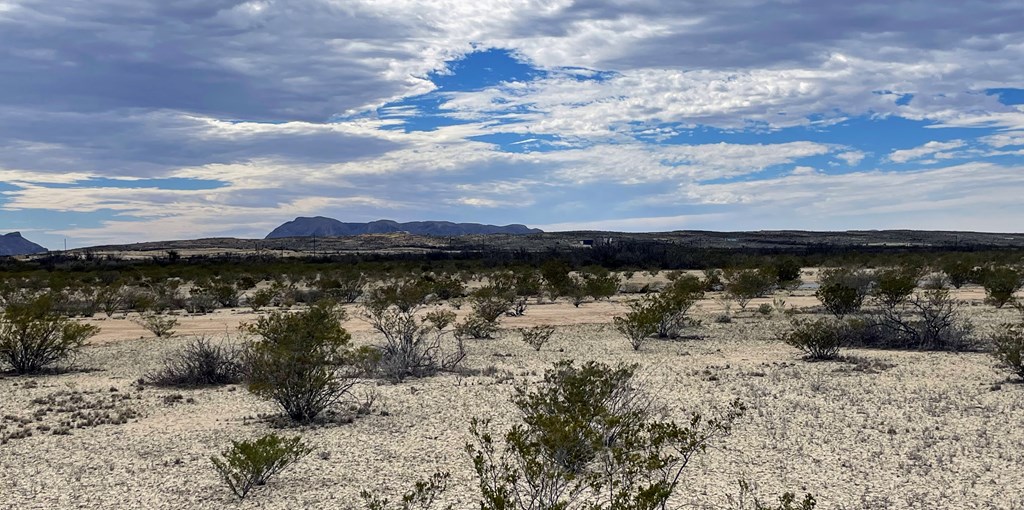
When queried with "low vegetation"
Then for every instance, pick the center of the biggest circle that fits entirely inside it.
(249, 464)
(33, 336)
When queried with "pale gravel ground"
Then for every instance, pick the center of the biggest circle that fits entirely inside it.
(929, 433)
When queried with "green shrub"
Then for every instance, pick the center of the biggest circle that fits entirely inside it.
(474, 326)
(248, 464)
(640, 322)
(893, 286)
(1008, 348)
(960, 271)
(412, 347)
(1001, 282)
(160, 325)
(199, 363)
(422, 496)
(537, 336)
(746, 284)
(34, 336)
(842, 290)
(674, 302)
(341, 286)
(765, 309)
(819, 339)
(302, 361)
(929, 320)
(260, 299)
(591, 432)
(748, 500)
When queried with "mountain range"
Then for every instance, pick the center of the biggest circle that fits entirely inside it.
(328, 227)
(14, 244)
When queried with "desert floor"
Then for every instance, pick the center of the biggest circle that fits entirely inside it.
(883, 430)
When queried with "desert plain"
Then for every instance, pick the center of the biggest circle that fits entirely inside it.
(880, 429)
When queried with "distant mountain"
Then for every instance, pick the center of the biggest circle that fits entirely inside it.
(328, 227)
(14, 244)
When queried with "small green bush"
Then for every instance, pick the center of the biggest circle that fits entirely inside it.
(248, 464)
(475, 326)
(34, 336)
(422, 496)
(842, 290)
(640, 322)
(819, 339)
(302, 361)
(160, 325)
(746, 284)
(893, 286)
(592, 432)
(1008, 348)
(537, 336)
(1001, 282)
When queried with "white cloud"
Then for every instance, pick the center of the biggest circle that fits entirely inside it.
(931, 149)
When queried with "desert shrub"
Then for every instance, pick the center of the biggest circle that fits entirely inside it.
(200, 300)
(33, 336)
(893, 286)
(748, 500)
(260, 299)
(537, 336)
(673, 304)
(642, 321)
(1000, 283)
(301, 361)
(248, 464)
(765, 309)
(1008, 347)
(491, 302)
(713, 280)
(111, 298)
(591, 432)
(557, 281)
(746, 284)
(199, 363)
(341, 286)
(422, 496)
(842, 290)
(929, 320)
(819, 339)
(412, 347)
(474, 326)
(960, 271)
(786, 272)
(598, 283)
(160, 325)
(444, 286)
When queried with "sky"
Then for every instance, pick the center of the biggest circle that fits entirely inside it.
(138, 120)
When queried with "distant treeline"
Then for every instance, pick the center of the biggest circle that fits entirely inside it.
(618, 256)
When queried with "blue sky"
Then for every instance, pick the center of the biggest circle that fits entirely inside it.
(144, 120)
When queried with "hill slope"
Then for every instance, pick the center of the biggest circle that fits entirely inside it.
(328, 227)
(14, 244)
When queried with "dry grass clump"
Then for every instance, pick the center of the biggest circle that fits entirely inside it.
(200, 363)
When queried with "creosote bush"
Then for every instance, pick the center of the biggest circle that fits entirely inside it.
(929, 320)
(537, 336)
(842, 290)
(160, 325)
(1008, 348)
(640, 322)
(200, 363)
(248, 464)
(33, 336)
(301, 361)
(746, 284)
(819, 339)
(588, 439)
(422, 496)
(412, 347)
(1001, 282)
(893, 286)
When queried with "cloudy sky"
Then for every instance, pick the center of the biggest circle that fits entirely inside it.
(132, 120)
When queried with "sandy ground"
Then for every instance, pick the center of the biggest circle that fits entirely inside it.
(899, 430)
